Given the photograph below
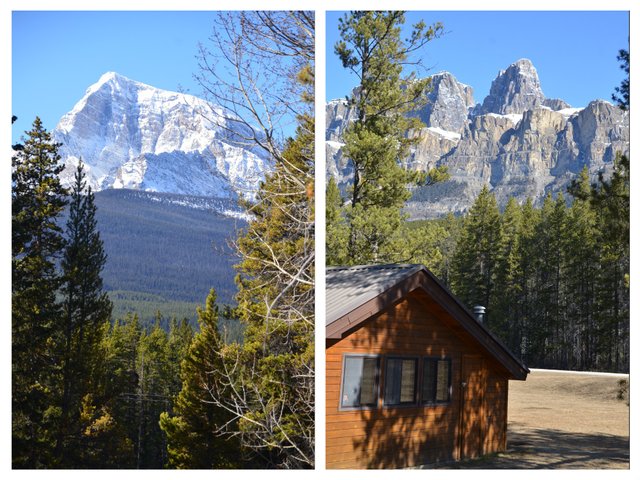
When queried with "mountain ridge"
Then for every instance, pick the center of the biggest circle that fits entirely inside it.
(517, 141)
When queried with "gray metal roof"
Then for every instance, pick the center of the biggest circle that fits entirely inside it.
(349, 287)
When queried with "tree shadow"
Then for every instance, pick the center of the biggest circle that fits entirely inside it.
(555, 449)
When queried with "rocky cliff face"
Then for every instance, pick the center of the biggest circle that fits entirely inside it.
(131, 135)
(449, 104)
(517, 141)
(514, 90)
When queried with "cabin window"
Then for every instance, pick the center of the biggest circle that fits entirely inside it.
(360, 381)
(400, 380)
(436, 380)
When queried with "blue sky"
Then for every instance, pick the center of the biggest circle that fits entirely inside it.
(573, 52)
(157, 48)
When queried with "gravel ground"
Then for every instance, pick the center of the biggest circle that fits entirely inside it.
(563, 420)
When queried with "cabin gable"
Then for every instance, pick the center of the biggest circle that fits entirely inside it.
(422, 347)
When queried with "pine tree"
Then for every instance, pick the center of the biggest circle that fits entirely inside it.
(37, 200)
(119, 384)
(420, 243)
(452, 226)
(179, 338)
(583, 258)
(377, 142)
(272, 55)
(85, 308)
(136, 378)
(550, 288)
(153, 396)
(336, 232)
(276, 303)
(610, 199)
(478, 254)
(622, 95)
(528, 254)
(103, 440)
(194, 429)
(508, 309)
(264, 386)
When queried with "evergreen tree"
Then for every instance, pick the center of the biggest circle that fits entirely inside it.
(527, 255)
(260, 391)
(336, 232)
(103, 441)
(136, 379)
(583, 258)
(560, 294)
(271, 373)
(194, 429)
(153, 397)
(421, 244)
(508, 309)
(452, 226)
(178, 342)
(85, 308)
(478, 254)
(611, 196)
(119, 384)
(276, 303)
(622, 95)
(550, 288)
(37, 199)
(610, 199)
(377, 142)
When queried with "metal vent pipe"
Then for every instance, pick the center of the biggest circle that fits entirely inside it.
(479, 312)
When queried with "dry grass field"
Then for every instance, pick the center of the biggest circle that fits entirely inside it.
(563, 420)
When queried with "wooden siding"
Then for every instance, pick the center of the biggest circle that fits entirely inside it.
(395, 437)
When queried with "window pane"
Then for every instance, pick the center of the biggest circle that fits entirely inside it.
(392, 379)
(351, 381)
(429, 374)
(360, 383)
(408, 386)
(400, 381)
(442, 389)
(369, 384)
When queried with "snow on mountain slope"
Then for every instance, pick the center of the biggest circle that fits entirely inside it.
(131, 135)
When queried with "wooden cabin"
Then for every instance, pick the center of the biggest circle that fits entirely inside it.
(413, 377)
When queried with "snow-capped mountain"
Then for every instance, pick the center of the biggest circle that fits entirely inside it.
(517, 141)
(134, 136)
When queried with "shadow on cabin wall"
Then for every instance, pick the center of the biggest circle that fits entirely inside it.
(397, 437)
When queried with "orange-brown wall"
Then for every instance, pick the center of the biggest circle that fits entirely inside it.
(395, 437)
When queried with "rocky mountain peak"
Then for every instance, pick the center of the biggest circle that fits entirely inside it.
(448, 105)
(132, 135)
(113, 77)
(517, 142)
(514, 90)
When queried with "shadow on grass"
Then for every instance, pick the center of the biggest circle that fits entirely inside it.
(555, 449)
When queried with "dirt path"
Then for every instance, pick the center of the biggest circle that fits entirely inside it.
(563, 420)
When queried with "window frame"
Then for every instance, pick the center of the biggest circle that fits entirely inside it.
(416, 382)
(435, 402)
(373, 406)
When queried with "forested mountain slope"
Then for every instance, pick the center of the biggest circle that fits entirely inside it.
(156, 246)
